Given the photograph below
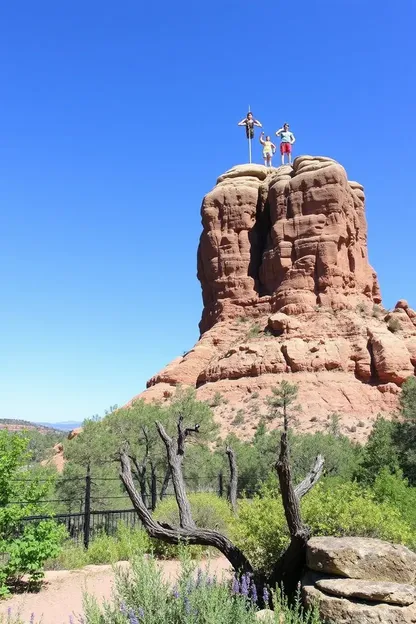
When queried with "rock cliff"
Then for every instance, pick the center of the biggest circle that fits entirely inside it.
(289, 293)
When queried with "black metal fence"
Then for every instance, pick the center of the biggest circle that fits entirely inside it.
(84, 525)
(82, 529)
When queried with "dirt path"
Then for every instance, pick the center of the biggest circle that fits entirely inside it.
(61, 595)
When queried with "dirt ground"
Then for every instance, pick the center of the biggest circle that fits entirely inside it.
(61, 595)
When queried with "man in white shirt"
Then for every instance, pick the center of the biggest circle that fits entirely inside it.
(287, 139)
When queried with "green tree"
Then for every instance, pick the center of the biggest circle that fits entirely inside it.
(133, 427)
(380, 451)
(405, 430)
(25, 546)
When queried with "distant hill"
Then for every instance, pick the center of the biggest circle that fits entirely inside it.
(67, 425)
(15, 424)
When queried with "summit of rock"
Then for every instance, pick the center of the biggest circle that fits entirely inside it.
(288, 293)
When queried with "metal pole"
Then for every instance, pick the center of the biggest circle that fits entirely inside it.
(154, 489)
(249, 139)
(87, 508)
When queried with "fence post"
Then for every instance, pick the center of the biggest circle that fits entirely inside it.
(220, 485)
(87, 508)
(154, 490)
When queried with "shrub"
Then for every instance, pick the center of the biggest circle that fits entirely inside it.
(331, 508)
(142, 595)
(216, 400)
(239, 418)
(208, 510)
(394, 325)
(26, 546)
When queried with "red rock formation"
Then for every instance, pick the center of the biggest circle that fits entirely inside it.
(288, 292)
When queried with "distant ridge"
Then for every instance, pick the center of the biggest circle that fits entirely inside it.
(16, 424)
(66, 425)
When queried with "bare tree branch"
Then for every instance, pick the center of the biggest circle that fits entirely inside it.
(175, 462)
(311, 478)
(232, 493)
(175, 535)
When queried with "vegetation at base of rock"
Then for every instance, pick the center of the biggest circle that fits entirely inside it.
(394, 325)
(142, 595)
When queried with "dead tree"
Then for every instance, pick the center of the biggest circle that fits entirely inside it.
(288, 568)
(232, 488)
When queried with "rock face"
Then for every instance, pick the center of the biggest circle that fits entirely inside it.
(361, 558)
(289, 293)
(359, 595)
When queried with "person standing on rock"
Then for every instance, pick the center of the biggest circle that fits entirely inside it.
(249, 122)
(286, 141)
(269, 149)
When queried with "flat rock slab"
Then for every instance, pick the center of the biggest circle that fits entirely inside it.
(361, 558)
(335, 610)
(373, 591)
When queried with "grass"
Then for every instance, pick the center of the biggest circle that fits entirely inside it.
(104, 549)
(254, 331)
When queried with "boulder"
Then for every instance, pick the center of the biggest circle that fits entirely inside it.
(362, 558)
(282, 322)
(334, 610)
(372, 591)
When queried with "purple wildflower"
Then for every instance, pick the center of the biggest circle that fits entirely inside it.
(141, 613)
(32, 619)
(254, 592)
(71, 620)
(199, 578)
(235, 588)
(123, 608)
(187, 605)
(175, 592)
(245, 584)
(133, 618)
(266, 596)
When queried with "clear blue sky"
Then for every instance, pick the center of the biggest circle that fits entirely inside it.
(116, 118)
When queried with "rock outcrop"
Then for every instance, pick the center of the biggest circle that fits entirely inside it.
(289, 293)
(360, 580)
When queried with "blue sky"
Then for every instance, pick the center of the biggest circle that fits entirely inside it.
(116, 118)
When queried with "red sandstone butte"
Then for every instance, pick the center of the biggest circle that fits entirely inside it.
(289, 293)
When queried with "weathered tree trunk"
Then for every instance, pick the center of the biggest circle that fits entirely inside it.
(233, 485)
(288, 569)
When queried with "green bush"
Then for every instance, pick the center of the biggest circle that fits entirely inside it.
(208, 510)
(331, 508)
(26, 546)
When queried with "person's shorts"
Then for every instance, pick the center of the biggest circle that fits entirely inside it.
(249, 132)
(285, 148)
(267, 154)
